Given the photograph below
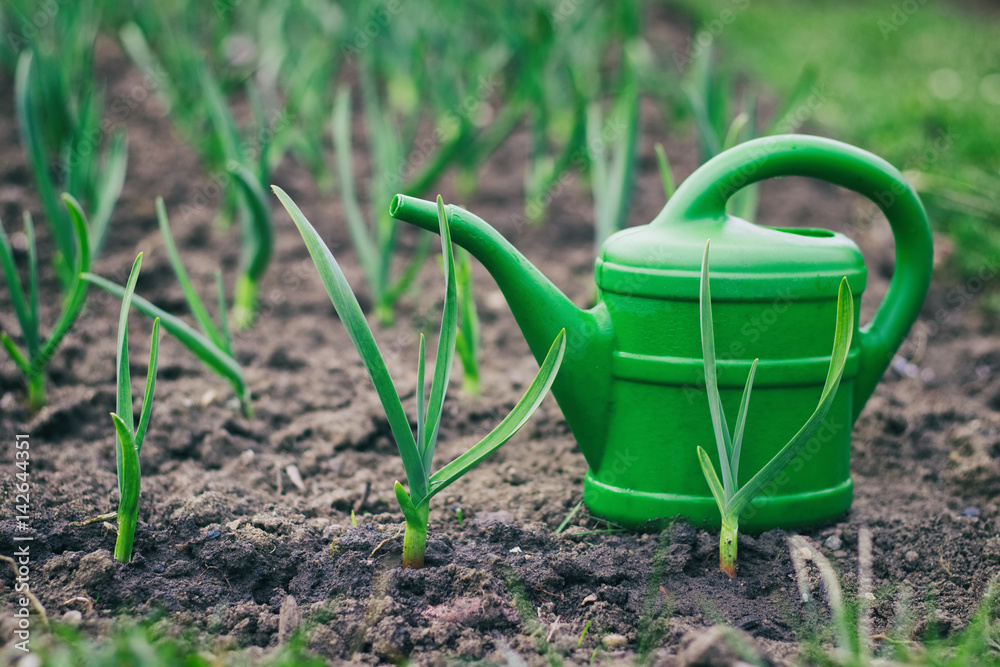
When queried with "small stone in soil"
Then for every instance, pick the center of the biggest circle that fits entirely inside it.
(833, 543)
(972, 512)
(613, 641)
(911, 556)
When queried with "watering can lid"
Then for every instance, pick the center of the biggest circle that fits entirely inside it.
(747, 262)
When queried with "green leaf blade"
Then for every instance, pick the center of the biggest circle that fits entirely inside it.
(719, 425)
(147, 399)
(741, 420)
(201, 347)
(712, 478)
(446, 344)
(838, 360)
(349, 310)
(510, 425)
(25, 317)
(124, 396)
(195, 304)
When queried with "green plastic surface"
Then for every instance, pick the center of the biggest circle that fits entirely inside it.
(632, 383)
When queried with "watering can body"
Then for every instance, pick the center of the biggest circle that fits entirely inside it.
(632, 384)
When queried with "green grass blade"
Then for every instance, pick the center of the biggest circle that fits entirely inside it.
(135, 45)
(34, 147)
(713, 480)
(363, 244)
(421, 395)
(34, 326)
(405, 502)
(220, 297)
(25, 317)
(510, 425)
(719, 425)
(200, 346)
(735, 130)
(349, 310)
(147, 398)
(128, 488)
(600, 182)
(412, 270)
(467, 339)
(741, 421)
(15, 354)
(258, 244)
(198, 310)
(787, 119)
(112, 182)
(665, 174)
(78, 288)
(623, 163)
(838, 359)
(446, 343)
(264, 134)
(226, 134)
(697, 88)
(124, 402)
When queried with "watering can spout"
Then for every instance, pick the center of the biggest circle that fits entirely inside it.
(583, 385)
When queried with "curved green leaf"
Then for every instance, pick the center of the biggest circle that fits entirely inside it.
(128, 469)
(446, 344)
(719, 425)
(838, 359)
(201, 347)
(741, 420)
(147, 398)
(197, 306)
(258, 243)
(510, 425)
(124, 402)
(349, 310)
(712, 478)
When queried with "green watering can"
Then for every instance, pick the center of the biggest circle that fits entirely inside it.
(632, 383)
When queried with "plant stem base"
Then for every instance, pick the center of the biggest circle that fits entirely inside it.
(36, 392)
(728, 537)
(415, 539)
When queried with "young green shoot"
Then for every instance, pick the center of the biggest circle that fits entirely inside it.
(666, 175)
(38, 353)
(612, 175)
(729, 496)
(256, 228)
(91, 177)
(467, 340)
(417, 452)
(128, 435)
(212, 345)
(710, 94)
(374, 244)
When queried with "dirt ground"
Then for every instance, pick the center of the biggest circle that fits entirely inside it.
(225, 537)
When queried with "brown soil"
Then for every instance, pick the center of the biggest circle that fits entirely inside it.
(225, 536)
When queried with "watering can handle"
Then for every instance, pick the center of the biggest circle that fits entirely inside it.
(705, 193)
